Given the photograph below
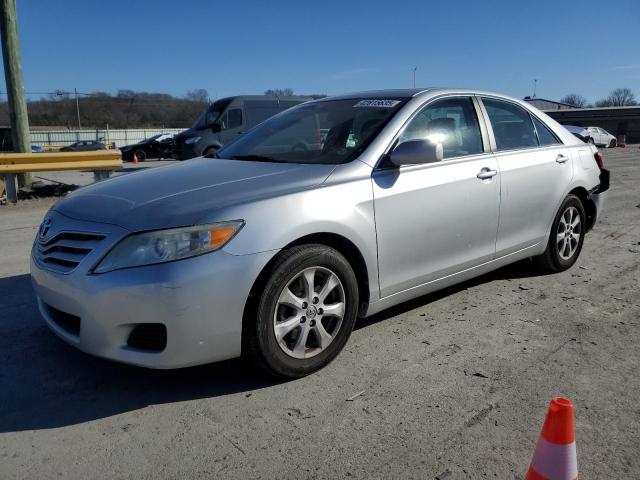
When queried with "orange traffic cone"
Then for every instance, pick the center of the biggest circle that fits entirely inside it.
(135, 158)
(555, 455)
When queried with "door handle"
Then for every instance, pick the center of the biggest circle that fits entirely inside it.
(562, 158)
(486, 173)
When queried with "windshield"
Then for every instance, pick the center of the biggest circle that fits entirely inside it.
(325, 132)
(211, 114)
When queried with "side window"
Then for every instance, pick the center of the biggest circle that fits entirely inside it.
(234, 118)
(512, 126)
(452, 122)
(545, 135)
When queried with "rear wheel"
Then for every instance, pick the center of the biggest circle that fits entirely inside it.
(613, 143)
(305, 312)
(566, 238)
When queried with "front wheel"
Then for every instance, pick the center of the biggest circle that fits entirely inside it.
(305, 312)
(613, 143)
(566, 238)
(141, 155)
(209, 152)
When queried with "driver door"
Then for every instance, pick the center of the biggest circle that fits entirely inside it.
(231, 124)
(437, 219)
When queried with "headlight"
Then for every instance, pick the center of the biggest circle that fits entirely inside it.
(191, 140)
(162, 246)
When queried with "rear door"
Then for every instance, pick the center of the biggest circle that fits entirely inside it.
(437, 219)
(535, 171)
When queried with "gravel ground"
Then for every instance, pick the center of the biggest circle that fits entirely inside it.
(452, 385)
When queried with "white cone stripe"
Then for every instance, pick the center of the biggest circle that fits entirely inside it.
(555, 462)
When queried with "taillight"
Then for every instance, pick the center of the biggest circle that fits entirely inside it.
(599, 160)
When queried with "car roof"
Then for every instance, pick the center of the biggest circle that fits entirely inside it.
(415, 92)
(391, 93)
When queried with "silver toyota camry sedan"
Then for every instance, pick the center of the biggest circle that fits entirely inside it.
(332, 210)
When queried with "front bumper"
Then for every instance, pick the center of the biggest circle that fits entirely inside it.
(199, 300)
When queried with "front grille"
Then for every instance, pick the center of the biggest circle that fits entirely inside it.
(151, 337)
(66, 250)
(69, 323)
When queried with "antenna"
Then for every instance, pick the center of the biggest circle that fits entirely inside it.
(535, 85)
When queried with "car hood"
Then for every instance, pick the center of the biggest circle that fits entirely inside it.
(185, 134)
(188, 193)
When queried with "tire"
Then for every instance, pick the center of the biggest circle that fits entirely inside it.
(591, 141)
(296, 349)
(141, 154)
(209, 151)
(299, 147)
(613, 143)
(563, 248)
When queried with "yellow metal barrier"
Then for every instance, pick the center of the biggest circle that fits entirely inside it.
(41, 162)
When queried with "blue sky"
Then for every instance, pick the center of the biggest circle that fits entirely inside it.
(325, 46)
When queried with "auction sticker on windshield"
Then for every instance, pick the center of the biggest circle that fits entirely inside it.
(377, 103)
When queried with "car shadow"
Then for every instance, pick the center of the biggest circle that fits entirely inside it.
(45, 383)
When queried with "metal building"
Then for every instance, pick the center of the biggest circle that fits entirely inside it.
(615, 120)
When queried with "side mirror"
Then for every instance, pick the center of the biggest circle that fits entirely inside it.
(415, 152)
(215, 128)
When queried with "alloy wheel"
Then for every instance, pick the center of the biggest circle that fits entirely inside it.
(568, 233)
(309, 312)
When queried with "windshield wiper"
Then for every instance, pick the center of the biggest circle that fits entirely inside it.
(256, 158)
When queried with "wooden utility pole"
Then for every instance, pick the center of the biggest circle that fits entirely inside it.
(75, 90)
(15, 90)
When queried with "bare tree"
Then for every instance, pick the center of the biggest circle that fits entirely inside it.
(198, 95)
(574, 99)
(620, 97)
(280, 92)
(126, 108)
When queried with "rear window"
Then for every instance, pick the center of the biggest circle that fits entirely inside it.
(545, 135)
(512, 126)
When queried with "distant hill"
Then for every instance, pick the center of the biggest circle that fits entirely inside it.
(126, 109)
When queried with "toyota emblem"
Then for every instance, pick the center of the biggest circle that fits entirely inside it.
(44, 228)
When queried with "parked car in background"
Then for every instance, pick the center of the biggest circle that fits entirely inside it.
(580, 132)
(594, 135)
(84, 146)
(273, 251)
(226, 119)
(158, 146)
(601, 137)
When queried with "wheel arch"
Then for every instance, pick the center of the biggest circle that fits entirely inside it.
(213, 146)
(342, 244)
(589, 205)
